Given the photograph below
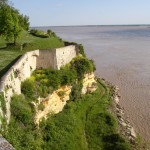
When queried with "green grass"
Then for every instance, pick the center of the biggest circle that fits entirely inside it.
(85, 124)
(82, 125)
(8, 55)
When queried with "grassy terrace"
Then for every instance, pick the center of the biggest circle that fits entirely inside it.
(8, 55)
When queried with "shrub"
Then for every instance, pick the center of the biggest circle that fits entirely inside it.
(50, 33)
(81, 49)
(39, 33)
(115, 141)
(68, 76)
(76, 91)
(28, 88)
(82, 66)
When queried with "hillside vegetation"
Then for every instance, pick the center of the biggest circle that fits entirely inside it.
(84, 123)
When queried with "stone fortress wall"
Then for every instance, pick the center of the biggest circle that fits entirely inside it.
(10, 83)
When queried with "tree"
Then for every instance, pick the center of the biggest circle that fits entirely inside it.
(11, 22)
(24, 21)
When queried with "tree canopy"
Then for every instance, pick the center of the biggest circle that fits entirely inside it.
(11, 21)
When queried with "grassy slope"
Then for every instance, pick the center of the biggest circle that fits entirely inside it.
(8, 55)
(85, 124)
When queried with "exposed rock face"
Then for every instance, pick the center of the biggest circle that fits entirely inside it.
(53, 104)
(89, 83)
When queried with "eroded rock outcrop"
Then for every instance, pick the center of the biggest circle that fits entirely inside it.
(56, 101)
(89, 83)
(53, 104)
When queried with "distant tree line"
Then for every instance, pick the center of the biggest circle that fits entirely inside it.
(11, 21)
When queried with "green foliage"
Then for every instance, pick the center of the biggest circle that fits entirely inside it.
(115, 141)
(21, 110)
(82, 66)
(51, 33)
(28, 88)
(3, 108)
(42, 34)
(44, 81)
(79, 47)
(24, 22)
(11, 22)
(21, 131)
(76, 91)
(39, 33)
(81, 50)
(68, 76)
(41, 107)
(83, 124)
(2, 101)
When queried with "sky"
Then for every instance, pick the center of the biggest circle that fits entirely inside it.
(84, 12)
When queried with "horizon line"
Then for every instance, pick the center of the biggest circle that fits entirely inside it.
(90, 25)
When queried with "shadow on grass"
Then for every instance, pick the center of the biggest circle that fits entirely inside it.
(4, 47)
(3, 71)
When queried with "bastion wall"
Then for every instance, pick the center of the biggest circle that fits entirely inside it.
(10, 83)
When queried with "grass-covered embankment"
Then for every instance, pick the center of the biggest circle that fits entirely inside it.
(83, 124)
(28, 42)
(86, 125)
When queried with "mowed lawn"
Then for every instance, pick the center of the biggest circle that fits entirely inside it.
(8, 55)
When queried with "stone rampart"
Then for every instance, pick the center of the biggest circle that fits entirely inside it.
(64, 55)
(46, 59)
(10, 83)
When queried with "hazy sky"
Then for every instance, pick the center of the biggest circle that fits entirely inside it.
(84, 12)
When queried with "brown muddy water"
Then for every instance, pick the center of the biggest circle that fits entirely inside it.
(122, 56)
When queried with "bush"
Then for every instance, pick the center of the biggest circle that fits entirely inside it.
(51, 33)
(81, 49)
(76, 91)
(68, 76)
(39, 33)
(45, 81)
(115, 141)
(28, 88)
(82, 66)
